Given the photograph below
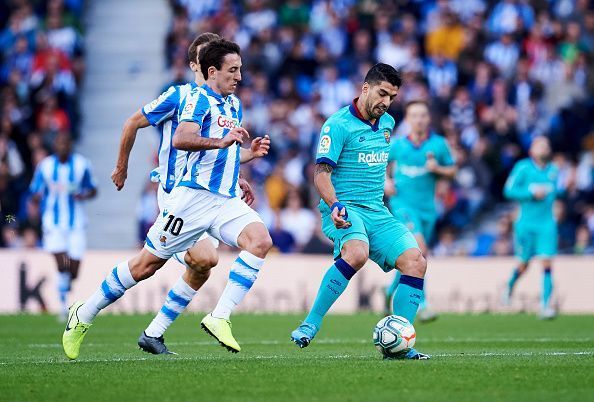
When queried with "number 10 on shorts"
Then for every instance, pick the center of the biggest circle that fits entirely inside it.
(173, 225)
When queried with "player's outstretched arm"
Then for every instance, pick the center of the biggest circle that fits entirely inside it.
(258, 149)
(131, 126)
(323, 183)
(187, 138)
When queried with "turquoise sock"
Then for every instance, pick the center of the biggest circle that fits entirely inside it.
(547, 287)
(408, 297)
(333, 284)
(512, 281)
(392, 288)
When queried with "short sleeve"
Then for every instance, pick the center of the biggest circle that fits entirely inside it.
(445, 156)
(88, 180)
(195, 107)
(38, 183)
(331, 142)
(393, 151)
(163, 107)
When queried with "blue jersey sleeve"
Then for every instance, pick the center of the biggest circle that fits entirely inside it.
(88, 180)
(332, 140)
(445, 157)
(162, 108)
(38, 184)
(195, 107)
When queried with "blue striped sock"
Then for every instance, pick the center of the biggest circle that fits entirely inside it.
(63, 288)
(242, 276)
(177, 300)
(112, 288)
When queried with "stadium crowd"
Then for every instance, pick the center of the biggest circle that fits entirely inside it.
(496, 73)
(41, 68)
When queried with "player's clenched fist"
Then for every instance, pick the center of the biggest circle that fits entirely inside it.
(238, 134)
(118, 176)
(340, 216)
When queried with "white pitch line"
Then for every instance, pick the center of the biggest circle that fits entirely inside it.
(354, 341)
(276, 357)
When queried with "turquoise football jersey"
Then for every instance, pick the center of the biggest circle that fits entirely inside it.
(358, 152)
(415, 185)
(526, 178)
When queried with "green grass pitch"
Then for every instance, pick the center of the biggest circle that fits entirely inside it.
(475, 358)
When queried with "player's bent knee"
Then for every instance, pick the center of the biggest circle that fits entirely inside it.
(412, 263)
(356, 253)
(261, 246)
(202, 263)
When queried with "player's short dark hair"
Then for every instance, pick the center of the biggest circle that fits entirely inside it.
(214, 52)
(416, 102)
(200, 40)
(383, 72)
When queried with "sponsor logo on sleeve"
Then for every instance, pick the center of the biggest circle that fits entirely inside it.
(325, 142)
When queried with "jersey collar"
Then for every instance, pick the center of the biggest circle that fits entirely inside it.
(408, 138)
(355, 112)
(212, 93)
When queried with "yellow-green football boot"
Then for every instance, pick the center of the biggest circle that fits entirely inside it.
(74, 333)
(220, 329)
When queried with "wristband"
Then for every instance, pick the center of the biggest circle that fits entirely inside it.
(340, 206)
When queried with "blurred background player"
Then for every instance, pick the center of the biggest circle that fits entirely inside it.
(206, 199)
(350, 177)
(533, 184)
(163, 113)
(416, 162)
(62, 182)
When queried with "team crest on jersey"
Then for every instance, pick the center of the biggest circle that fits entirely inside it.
(325, 142)
(387, 136)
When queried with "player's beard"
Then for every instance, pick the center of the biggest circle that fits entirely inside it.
(371, 111)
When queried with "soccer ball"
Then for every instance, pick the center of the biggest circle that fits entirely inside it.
(394, 336)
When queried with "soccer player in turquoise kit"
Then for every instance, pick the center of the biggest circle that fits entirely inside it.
(533, 183)
(350, 172)
(417, 161)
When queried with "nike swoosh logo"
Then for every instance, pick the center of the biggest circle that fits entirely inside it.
(68, 327)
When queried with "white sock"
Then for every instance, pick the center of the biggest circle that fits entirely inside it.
(244, 272)
(180, 257)
(177, 300)
(64, 279)
(112, 288)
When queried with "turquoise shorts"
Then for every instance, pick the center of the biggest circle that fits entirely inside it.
(417, 222)
(387, 237)
(532, 242)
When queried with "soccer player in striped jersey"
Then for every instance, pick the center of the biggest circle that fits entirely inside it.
(210, 128)
(533, 184)
(62, 183)
(201, 257)
(349, 175)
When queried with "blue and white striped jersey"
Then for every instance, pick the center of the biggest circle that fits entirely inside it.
(163, 113)
(216, 170)
(58, 183)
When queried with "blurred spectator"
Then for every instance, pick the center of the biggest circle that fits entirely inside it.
(297, 220)
(41, 64)
(497, 74)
